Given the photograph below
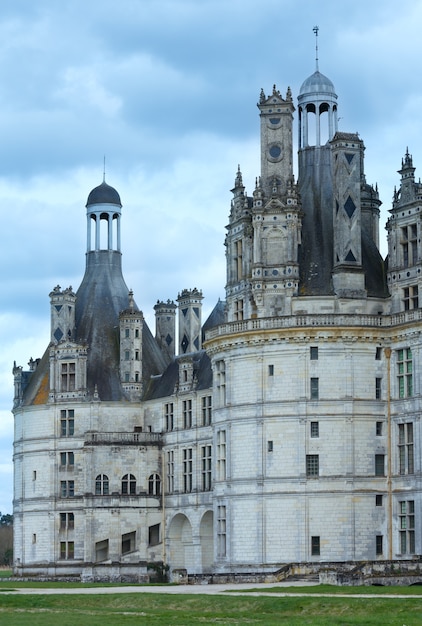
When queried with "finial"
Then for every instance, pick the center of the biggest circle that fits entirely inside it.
(316, 29)
(104, 170)
(238, 180)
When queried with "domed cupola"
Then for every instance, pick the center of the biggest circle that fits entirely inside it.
(103, 194)
(317, 98)
(317, 102)
(103, 207)
(316, 84)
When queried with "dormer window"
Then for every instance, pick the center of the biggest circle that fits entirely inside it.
(68, 373)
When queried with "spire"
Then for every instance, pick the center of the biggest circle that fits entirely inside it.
(407, 170)
(316, 29)
(238, 180)
(407, 161)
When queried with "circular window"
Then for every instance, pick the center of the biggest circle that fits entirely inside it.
(275, 152)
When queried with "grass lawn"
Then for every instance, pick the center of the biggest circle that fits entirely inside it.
(186, 610)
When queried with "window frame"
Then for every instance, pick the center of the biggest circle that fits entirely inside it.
(312, 466)
(315, 545)
(102, 485)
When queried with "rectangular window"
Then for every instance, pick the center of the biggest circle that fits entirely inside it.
(221, 381)
(378, 499)
(378, 388)
(187, 413)
(169, 416)
(67, 459)
(238, 258)
(206, 468)
(187, 470)
(409, 245)
(407, 526)
(128, 542)
(271, 370)
(378, 545)
(101, 550)
(221, 455)
(378, 353)
(312, 465)
(67, 521)
(68, 373)
(314, 429)
(67, 488)
(406, 450)
(410, 298)
(379, 465)
(314, 388)
(270, 446)
(405, 373)
(378, 429)
(154, 535)
(238, 310)
(206, 410)
(221, 531)
(315, 546)
(170, 471)
(67, 422)
(67, 550)
(314, 353)
(127, 333)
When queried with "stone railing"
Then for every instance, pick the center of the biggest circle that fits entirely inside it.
(134, 439)
(308, 321)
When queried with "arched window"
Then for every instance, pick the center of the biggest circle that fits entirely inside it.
(101, 485)
(128, 484)
(154, 485)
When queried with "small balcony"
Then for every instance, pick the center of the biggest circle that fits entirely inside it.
(122, 439)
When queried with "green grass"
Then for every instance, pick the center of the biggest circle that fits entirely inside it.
(187, 610)
(415, 590)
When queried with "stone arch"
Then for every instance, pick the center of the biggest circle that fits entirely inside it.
(206, 533)
(180, 543)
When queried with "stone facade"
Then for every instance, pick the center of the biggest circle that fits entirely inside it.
(286, 430)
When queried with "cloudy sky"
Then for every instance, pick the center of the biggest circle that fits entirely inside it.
(167, 91)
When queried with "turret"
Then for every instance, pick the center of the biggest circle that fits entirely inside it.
(190, 306)
(276, 114)
(239, 253)
(131, 322)
(404, 236)
(62, 306)
(165, 327)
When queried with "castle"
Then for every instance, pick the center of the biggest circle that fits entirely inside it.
(284, 429)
